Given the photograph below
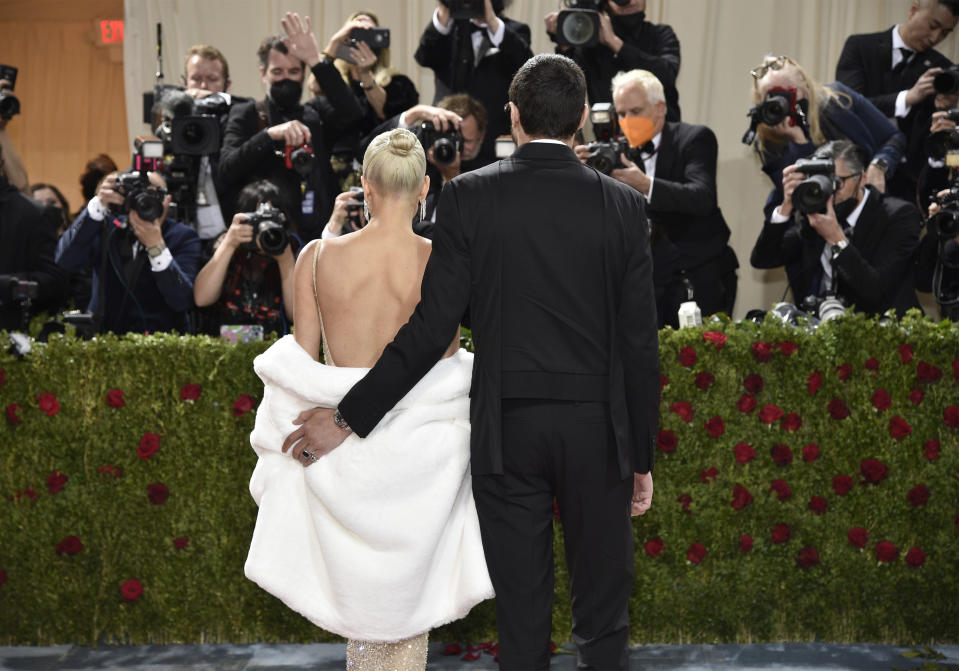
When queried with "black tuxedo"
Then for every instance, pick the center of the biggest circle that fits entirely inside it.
(865, 66)
(564, 325)
(684, 207)
(875, 272)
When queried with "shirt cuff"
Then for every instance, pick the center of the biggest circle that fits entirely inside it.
(778, 217)
(440, 28)
(401, 122)
(328, 234)
(649, 196)
(161, 261)
(497, 38)
(902, 109)
(97, 210)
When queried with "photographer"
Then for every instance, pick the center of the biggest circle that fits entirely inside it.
(859, 247)
(478, 56)
(627, 41)
(29, 277)
(243, 283)
(143, 263)
(258, 131)
(937, 268)
(678, 178)
(15, 170)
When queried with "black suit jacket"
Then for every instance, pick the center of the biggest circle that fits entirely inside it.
(683, 203)
(555, 312)
(875, 272)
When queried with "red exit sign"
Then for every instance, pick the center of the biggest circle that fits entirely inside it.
(111, 31)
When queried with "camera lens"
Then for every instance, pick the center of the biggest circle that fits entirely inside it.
(444, 151)
(946, 82)
(193, 134)
(773, 111)
(811, 195)
(578, 28)
(302, 161)
(9, 105)
(148, 206)
(272, 237)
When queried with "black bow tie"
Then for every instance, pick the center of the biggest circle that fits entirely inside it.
(648, 149)
(477, 29)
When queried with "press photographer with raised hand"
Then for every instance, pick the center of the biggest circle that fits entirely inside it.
(839, 237)
(623, 40)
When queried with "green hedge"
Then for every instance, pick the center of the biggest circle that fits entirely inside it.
(164, 532)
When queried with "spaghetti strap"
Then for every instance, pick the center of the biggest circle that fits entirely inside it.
(327, 357)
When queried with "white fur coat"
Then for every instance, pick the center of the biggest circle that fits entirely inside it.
(378, 540)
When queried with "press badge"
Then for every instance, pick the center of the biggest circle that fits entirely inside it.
(308, 202)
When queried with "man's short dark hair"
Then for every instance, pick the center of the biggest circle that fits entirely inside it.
(271, 42)
(951, 5)
(854, 156)
(549, 92)
(465, 105)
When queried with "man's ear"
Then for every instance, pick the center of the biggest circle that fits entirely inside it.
(226, 85)
(582, 119)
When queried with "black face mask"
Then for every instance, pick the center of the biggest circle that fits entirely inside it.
(844, 209)
(628, 22)
(286, 93)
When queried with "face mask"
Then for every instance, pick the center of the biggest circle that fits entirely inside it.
(628, 21)
(638, 130)
(845, 208)
(286, 93)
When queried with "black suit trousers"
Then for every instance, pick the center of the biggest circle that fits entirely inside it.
(563, 450)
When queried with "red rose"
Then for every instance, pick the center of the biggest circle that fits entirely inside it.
(453, 649)
(873, 471)
(791, 422)
(687, 356)
(149, 445)
(814, 382)
(115, 398)
(905, 352)
(844, 371)
(818, 505)
(716, 338)
(190, 392)
(753, 383)
(109, 469)
(762, 351)
(663, 381)
(744, 453)
(741, 497)
(915, 557)
(931, 449)
(881, 399)
(950, 416)
(684, 410)
(745, 543)
(48, 403)
(243, 404)
(157, 493)
(705, 380)
(858, 537)
(715, 426)
(838, 409)
(899, 428)
(926, 372)
(710, 473)
(70, 545)
(55, 482)
(873, 365)
(808, 557)
(781, 487)
(886, 551)
(781, 533)
(781, 454)
(13, 413)
(696, 553)
(131, 590)
(918, 496)
(472, 656)
(916, 396)
(28, 493)
(684, 500)
(180, 543)
(810, 452)
(787, 348)
(746, 403)
(666, 441)
(841, 484)
(770, 413)
(654, 547)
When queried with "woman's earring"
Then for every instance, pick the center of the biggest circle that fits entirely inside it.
(423, 210)
(366, 211)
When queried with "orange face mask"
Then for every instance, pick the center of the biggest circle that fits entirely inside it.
(638, 130)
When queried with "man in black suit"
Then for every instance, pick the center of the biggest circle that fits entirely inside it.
(564, 402)
(861, 249)
(895, 69)
(678, 178)
(478, 57)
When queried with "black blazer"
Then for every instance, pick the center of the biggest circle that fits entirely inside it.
(683, 203)
(875, 272)
(553, 260)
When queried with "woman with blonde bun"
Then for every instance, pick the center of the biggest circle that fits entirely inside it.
(377, 540)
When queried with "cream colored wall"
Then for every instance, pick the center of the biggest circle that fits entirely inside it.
(721, 40)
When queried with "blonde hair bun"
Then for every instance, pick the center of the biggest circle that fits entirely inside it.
(395, 162)
(401, 141)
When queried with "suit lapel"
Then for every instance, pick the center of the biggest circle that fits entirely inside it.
(666, 154)
(870, 226)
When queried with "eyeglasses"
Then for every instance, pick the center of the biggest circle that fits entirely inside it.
(776, 63)
(840, 180)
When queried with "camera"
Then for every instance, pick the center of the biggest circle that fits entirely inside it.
(578, 24)
(139, 195)
(780, 104)
(375, 38)
(466, 9)
(15, 290)
(189, 127)
(605, 155)
(446, 145)
(947, 81)
(825, 308)
(300, 159)
(944, 144)
(354, 207)
(946, 220)
(9, 104)
(811, 195)
(269, 229)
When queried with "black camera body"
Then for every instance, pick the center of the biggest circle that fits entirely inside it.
(139, 195)
(446, 145)
(17, 291)
(947, 81)
(811, 195)
(354, 207)
(941, 144)
(269, 229)
(376, 38)
(9, 104)
(466, 9)
(946, 220)
(607, 156)
(578, 24)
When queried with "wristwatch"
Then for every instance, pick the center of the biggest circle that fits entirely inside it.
(839, 246)
(155, 250)
(880, 163)
(339, 420)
